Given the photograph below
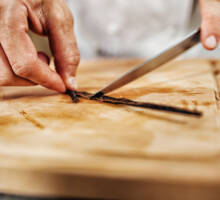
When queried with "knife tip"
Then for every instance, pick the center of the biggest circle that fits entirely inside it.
(96, 95)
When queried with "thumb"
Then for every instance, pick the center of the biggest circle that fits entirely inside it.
(210, 23)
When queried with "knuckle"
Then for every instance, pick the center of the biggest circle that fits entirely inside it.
(64, 19)
(73, 60)
(24, 69)
(21, 27)
(58, 17)
(14, 21)
(21, 70)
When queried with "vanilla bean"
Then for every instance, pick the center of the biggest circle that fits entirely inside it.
(75, 95)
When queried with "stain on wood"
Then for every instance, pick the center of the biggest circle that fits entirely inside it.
(216, 72)
(213, 63)
(8, 120)
(185, 103)
(139, 91)
(32, 120)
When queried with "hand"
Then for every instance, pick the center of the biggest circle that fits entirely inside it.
(210, 11)
(20, 63)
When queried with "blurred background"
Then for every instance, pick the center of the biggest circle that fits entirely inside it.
(128, 28)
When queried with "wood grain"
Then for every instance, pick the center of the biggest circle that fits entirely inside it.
(52, 147)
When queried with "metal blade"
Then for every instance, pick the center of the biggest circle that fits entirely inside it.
(152, 64)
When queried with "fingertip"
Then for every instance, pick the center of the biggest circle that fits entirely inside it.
(59, 86)
(210, 42)
(58, 83)
(71, 83)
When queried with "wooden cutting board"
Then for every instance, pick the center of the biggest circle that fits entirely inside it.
(52, 147)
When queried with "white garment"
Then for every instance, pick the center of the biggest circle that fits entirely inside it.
(128, 27)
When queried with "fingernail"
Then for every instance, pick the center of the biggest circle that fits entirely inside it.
(72, 83)
(211, 42)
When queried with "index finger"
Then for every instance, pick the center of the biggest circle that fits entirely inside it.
(63, 44)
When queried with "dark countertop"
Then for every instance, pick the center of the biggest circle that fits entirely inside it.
(10, 197)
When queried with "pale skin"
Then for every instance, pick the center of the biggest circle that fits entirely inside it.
(22, 65)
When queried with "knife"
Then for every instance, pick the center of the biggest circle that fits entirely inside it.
(152, 64)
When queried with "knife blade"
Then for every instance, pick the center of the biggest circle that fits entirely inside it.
(152, 64)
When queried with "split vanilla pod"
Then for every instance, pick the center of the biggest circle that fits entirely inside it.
(76, 95)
